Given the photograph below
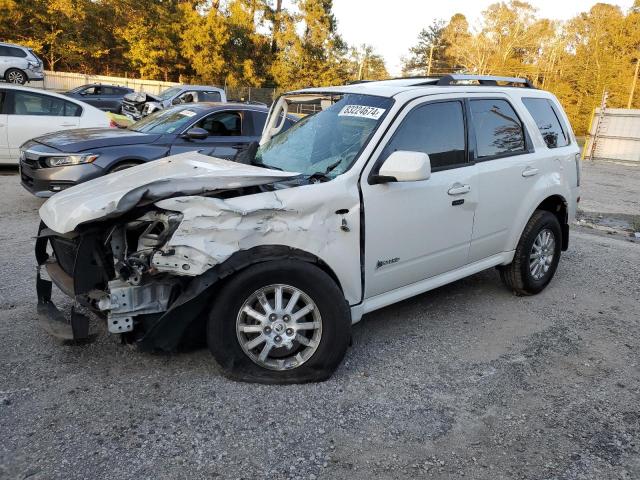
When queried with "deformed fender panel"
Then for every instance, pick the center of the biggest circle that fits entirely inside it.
(308, 218)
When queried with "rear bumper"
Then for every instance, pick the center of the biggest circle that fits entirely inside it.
(34, 76)
(44, 182)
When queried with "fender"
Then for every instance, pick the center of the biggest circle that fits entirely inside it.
(530, 205)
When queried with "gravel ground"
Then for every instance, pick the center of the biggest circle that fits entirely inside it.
(466, 380)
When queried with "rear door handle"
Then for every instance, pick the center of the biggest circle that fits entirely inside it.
(459, 189)
(68, 125)
(529, 172)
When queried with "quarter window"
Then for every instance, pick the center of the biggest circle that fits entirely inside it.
(436, 129)
(547, 121)
(27, 103)
(498, 129)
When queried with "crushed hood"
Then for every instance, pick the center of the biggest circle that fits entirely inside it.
(189, 173)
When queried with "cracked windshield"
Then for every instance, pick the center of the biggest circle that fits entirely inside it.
(326, 142)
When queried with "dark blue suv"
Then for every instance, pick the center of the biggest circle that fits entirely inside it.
(53, 162)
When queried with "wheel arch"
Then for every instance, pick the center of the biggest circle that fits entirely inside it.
(122, 161)
(183, 322)
(558, 206)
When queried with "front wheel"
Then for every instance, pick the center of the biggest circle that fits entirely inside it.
(536, 257)
(279, 322)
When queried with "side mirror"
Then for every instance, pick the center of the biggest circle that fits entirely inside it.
(196, 133)
(403, 166)
(176, 101)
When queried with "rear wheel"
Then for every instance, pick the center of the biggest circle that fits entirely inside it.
(536, 257)
(15, 75)
(279, 322)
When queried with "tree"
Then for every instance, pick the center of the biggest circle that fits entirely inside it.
(427, 56)
(366, 64)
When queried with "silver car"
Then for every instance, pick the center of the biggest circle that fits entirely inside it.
(19, 64)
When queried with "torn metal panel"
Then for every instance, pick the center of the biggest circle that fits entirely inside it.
(189, 173)
(213, 229)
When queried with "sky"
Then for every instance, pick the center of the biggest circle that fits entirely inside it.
(393, 27)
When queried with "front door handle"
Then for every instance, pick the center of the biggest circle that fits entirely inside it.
(459, 189)
(529, 172)
(68, 125)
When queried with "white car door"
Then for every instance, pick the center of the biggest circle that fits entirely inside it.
(507, 167)
(4, 136)
(32, 114)
(416, 230)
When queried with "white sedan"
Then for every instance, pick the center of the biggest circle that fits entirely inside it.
(26, 113)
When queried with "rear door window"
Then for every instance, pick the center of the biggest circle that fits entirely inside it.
(437, 129)
(29, 103)
(12, 52)
(209, 96)
(499, 131)
(546, 118)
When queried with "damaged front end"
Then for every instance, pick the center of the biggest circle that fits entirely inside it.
(109, 271)
(108, 249)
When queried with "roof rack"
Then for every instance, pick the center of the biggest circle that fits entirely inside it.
(484, 80)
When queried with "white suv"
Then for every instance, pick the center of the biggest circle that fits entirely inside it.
(389, 190)
(19, 64)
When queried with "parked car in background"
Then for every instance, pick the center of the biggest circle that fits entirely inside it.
(19, 64)
(26, 113)
(54, 162)
(140, 104)
(105, 97)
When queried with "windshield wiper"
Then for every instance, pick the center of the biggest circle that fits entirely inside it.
(324, 175)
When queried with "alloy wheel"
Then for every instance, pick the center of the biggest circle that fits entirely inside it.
(279, 327)
(542, 253)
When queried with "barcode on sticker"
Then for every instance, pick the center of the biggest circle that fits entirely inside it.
(361, 111)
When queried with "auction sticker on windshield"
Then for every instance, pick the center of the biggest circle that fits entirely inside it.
(187, 113)
(361, 111)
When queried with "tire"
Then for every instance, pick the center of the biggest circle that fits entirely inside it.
(522, 276)
(314, 361)
(16, 76)
(123, 166)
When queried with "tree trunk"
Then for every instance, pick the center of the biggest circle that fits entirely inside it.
(276, 26)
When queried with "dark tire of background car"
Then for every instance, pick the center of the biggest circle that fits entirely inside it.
(23, 76)
(336, 322)
(123, 166)
(517, 275)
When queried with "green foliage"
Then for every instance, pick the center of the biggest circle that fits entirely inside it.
(226, 42)
(577, 60)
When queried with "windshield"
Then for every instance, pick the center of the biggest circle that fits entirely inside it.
(165, 121)
(325, 143)
(171, 92)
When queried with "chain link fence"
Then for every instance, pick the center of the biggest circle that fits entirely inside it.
(251, 94)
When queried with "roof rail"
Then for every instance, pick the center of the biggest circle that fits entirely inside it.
(484, 80)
